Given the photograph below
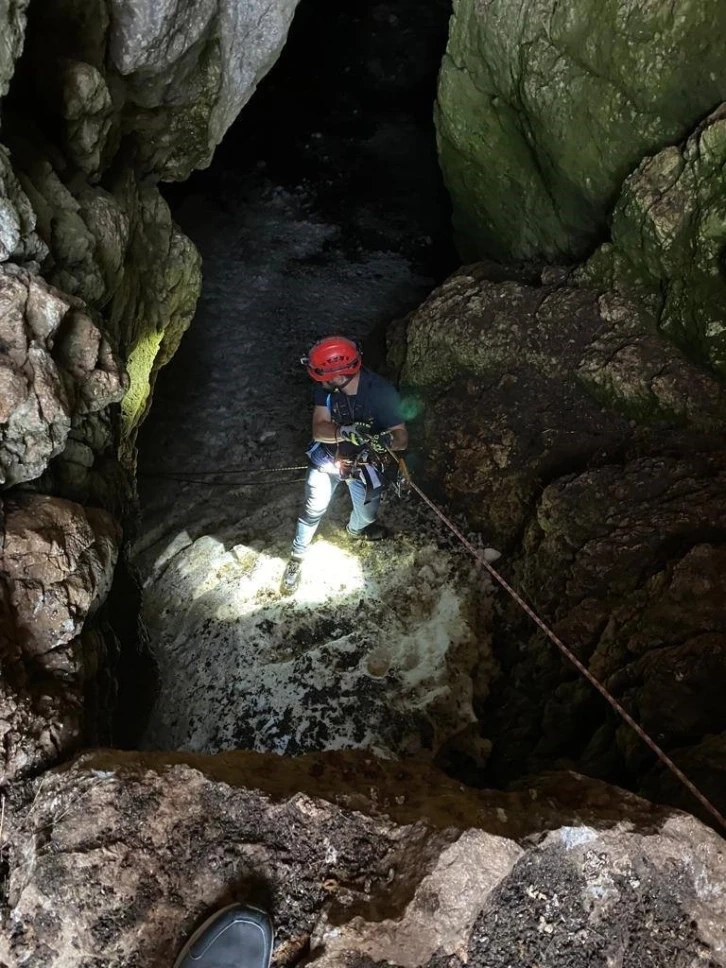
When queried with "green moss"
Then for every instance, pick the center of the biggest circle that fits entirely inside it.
(139, 364)
(545, 106)
(668, 236)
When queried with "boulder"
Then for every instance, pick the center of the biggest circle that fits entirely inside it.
(54, 363)
(668, 232)
(360, 862)
(545, 106)
(585, 444)
(523, 383)
(56, 561)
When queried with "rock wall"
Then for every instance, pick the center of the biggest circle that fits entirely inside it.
(360, 862)
(102, 99)
(544, 107)
(120, 95)
(668, 232)
(590, 449)
(56, 561)
(56, 368)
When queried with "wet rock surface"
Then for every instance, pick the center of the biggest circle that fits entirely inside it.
(57, 561)
(353, 870)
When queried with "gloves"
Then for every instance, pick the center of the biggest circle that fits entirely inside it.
(381, 442)
(355, 434)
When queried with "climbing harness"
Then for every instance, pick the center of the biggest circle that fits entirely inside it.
(553, 637)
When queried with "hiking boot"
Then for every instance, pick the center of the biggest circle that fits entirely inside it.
(236, 936)
(374, 532)
(291, 576)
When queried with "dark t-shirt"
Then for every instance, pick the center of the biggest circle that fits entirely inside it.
(377, 403)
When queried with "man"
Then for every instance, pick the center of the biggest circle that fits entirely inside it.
(352, 407)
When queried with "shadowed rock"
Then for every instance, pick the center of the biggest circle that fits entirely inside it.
(568, 427)
(56, 561)
(360, 862)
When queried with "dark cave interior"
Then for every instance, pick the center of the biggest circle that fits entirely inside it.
(344, 122)
(350, 130)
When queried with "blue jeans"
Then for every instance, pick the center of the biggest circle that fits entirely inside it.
(319, 489)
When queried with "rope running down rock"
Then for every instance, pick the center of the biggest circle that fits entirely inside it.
(583, 670)
(552, 636)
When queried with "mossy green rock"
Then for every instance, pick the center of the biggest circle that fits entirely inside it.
(545, 106)
(668, 236)
(118, 249)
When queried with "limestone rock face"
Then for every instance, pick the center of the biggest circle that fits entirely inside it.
(360, 862)
(576, 436)
(544, 107)
(118, 249)
(170, 76)
(54, 364)
(56, 561)
(12, 26)
(189, 68)
(18, 238)
(129, 92)
(667, 238)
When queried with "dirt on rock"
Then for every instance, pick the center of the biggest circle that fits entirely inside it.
(117, 858)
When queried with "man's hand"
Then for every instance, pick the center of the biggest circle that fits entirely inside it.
(356, 434)
(382, 442)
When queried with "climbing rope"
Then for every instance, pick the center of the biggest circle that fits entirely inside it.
(552, 636)
(620, 710)
(204, 477)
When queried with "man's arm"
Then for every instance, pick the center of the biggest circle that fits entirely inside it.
(324, 430)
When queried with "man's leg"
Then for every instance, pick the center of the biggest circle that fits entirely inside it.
(362, 518)
(319, 489)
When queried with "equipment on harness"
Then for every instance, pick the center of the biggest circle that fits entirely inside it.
(331, 357)
(381, 443)
(379, 466)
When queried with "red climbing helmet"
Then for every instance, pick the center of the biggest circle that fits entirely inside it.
(332, 356)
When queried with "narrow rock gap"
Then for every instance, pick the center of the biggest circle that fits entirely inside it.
(335, 221)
